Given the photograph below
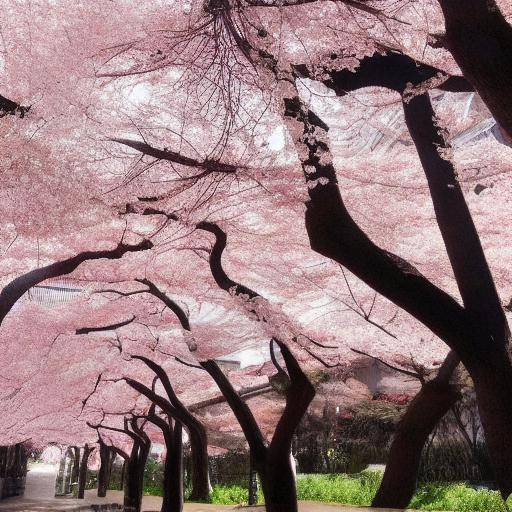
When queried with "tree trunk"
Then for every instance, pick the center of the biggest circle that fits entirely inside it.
(493, 387)
(200, 473)
(76, 465)
(104, 472)
(173, 473)
(477, 332)
(273, 462)
(426, 410)
(82, 476)
(134, 485)
(278, 484)
(479, 38)
(174, 408)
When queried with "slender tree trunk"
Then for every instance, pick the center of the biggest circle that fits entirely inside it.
(104, 472)
(134, 485)
(272, 462)
(82, 476)
(173, 472)
(76, 465)
(200, 473)
(197, 433)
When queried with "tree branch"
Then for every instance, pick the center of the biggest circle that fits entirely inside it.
(19, 286)
(241, 410)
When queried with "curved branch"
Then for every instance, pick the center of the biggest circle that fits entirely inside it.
(171, 304)
(19, 286)
(111, 327)
(334, 234)
(390, 366)
(241, 410)
(215, 260)
(299, 395)
(177, 158)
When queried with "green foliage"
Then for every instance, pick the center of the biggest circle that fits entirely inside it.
(153, 473)
(348, 489)
(153, 490)
(359, 490)
(457, 497)
(231, 495)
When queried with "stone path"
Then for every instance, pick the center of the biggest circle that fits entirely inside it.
(40, 488)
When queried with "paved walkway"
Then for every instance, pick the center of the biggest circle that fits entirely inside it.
(40, 489)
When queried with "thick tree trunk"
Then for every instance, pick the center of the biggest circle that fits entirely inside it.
(480, 39)
(104, 472)
(197, 433)
(134, 484)
(493, 387)
(477, 332)
(82, 475)
(278, 484)
(425, 411)
(173, 473)
(272, 462)
(200, 473)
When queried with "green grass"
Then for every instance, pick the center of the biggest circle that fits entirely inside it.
(458, 497)
(351, 490)
(359, 490)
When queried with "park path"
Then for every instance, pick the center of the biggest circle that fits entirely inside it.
(40, 490)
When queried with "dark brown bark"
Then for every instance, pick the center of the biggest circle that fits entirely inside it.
(478, 332)
(173, 472)
(172, 484)
(479, 38)
(272, 462)
(197, 433)
(82, 475)
(134, 470)
(10, 107)
(105, 468)
(432, 402)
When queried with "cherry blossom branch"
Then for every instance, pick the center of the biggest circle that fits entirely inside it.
(111, 327)
(388, 365)
(209, 166)
(86, 399)
(20, 285)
